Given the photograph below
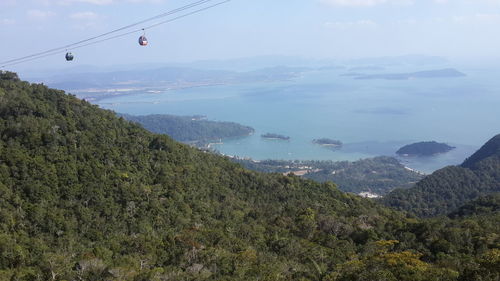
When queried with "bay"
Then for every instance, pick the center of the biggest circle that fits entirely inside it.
(371, 117)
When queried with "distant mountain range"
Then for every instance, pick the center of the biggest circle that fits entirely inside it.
(440, 73)
(167, 76)
(239, 69)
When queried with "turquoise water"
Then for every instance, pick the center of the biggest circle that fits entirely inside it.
(371, 117)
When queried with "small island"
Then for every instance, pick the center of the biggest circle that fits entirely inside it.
(274, 136)
(328, 142)
(427, 148)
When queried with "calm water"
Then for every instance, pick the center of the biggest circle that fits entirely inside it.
(371, 117)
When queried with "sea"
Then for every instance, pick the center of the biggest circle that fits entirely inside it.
(370, 117)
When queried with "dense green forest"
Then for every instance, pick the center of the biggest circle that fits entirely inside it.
(484, 206)
(274, 136)
(86, 195)
(451, 187)
(378, 175)
(426, 148)
(331, 143)
(190, 128)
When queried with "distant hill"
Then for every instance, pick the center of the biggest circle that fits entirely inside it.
(190, 128)
(451, 187)
(440, 73)
(427, 148)
(166, 77)
(415, 60)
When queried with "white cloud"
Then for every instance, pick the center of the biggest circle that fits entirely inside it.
(494, 2)
(149, 1)
(87, 16)
(107, 2)
(365, 3)
(39, 15)
(7, 22)
(407, 21)
(487, 18)
(7, 3)
(338, 25)
(84, 20)
(93, 2)
(478, 19)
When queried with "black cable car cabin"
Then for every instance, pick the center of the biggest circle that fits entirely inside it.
(143, 41)
(69, 56)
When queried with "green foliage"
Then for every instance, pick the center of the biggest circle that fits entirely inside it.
(7, 75)
(85, 195)
(425, 148)
(391, 266)
(377, 175)
(327, 142)
(275, 136)
(449, 188)
(486, 205)
(489, 149)
(190, 128)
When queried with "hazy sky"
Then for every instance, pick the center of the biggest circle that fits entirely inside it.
(240, 28)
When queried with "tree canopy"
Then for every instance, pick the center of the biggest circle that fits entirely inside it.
(86, 195)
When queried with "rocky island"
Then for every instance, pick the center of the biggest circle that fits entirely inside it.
(328, 142)
(427, 148)
(272, 136)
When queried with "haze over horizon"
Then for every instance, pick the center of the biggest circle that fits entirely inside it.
(462, 29)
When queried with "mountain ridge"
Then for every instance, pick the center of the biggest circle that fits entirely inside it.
(86, 195)
(489, 149)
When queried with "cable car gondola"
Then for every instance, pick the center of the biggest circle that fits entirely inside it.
(69, 56)
(143, 41)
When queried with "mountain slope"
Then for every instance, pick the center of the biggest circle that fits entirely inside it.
(189, 128)
(489, 150)
(451, 187)
(85, 195)
(486, 205)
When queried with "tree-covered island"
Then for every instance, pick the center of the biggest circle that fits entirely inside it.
(427, 148)
(274, 136)
(328, 142)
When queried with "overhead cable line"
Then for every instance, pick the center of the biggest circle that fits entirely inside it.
(119, 35)
(76, 44)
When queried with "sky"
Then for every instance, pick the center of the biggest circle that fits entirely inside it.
(247, 28)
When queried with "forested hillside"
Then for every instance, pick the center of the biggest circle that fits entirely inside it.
(190, 128)
(86, 195)
(449, 188)
(484, 206)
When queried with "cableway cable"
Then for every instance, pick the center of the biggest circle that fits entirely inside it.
(77, 45)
